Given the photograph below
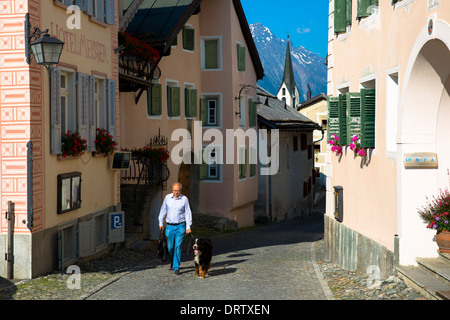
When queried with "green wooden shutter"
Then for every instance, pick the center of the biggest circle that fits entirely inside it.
(333, 116)
(363, 8)
(174, 102)
(368, 118)
(353, 115)
(241, 57)
(211, 59)
(348, 14)
(188, 39)
(252, 113)
(156, 107)
(342, 119)
(340, 21)
(203, 113)
(190, 97)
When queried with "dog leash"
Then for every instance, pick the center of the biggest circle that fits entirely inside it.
(190, 242)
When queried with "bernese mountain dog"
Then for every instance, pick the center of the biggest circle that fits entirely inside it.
(202, 250)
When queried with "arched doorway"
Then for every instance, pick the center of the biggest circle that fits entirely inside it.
(424, 115)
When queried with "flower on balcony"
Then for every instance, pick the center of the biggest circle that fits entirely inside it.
(72, 144)
(137, 47)
(104, 142)
(355, 146)
(152, 153)
(334, 143)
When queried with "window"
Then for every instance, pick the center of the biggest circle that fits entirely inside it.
(210, 169)
(67, 245)
(242, 112)
(154, 104)
(188, 38)
(342, 15)
(100, 231)
(242, 162)
(253, 161)
(85, 106)
(240, 57)
(210, 111)
(101, 10)
(173, 99)
(67, 101)
(69, 192)
(295, 143)
(303, 141)
(99, 113)
(210, 54)
(353, 114)
(190, 101)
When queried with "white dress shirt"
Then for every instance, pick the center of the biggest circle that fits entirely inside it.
(175, 210)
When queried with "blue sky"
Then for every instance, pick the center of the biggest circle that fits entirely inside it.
(306, 21)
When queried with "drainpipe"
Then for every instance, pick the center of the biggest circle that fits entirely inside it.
(8, 255)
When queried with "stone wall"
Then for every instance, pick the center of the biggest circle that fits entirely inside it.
(355, 252)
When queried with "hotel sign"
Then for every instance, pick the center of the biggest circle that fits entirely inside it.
(420, 160)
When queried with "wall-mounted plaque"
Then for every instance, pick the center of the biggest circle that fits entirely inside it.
(420, 160)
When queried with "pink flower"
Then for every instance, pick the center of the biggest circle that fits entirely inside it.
(352, 146)
(355, 138)
(361, 152)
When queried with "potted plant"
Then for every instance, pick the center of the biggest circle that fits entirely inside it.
(152, 153)
(104, 142)
(436, 215)
(72, 144)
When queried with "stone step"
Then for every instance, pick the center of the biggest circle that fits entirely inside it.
(141, 245)
(423, 282)
(131, 238)
(438, 268)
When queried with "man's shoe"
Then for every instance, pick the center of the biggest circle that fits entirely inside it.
(177, 272)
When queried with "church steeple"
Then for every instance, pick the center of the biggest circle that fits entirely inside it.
(288, 89)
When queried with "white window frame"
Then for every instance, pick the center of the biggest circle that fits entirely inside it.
(100, 103)
(218, 109)
(218, 165)
(68, 93)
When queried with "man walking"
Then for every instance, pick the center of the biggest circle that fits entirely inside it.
(175, 209)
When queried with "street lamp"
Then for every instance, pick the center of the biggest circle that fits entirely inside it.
(46, 49)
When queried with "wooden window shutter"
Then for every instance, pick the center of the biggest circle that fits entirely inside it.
(333, 116)
(241, 57)
(252, 113)
(348, 13)
(90, 7)
(203, 111)
(156, 107)
(82, 4)
(342, 119)
(174, 107)
(92, 115)
(188, 39)
(109, 11)
(83, 105)
(190, 97)
(368, 118)
(211, 58)
(353, 115)
(364, 8)
(111, 106)
(55, 111)
(340, 20)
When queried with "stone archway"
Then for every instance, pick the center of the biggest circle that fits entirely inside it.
(424, 115)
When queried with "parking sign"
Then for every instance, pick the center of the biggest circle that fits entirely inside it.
(116, 221)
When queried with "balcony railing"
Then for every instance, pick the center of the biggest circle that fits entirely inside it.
(136, 73)
(147, 172)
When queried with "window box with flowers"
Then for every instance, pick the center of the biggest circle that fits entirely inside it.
(72, 145)
(104, 142)
(437, 217)
(335, 146)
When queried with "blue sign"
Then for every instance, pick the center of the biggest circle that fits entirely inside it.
(116, 221)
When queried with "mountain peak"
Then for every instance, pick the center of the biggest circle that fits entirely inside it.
(308, 67)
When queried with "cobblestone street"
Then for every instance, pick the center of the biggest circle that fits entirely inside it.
(270, 262)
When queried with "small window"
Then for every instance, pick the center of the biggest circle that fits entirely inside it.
(210, 111)
(295, 143)
(188, 38)
(240, 57)
(210, 169)
(190, 102)
(173, 100)
(100, 103)
(69, 192)
(211, 54)
(242, 163)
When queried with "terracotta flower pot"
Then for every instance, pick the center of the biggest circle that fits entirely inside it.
(443, 241)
